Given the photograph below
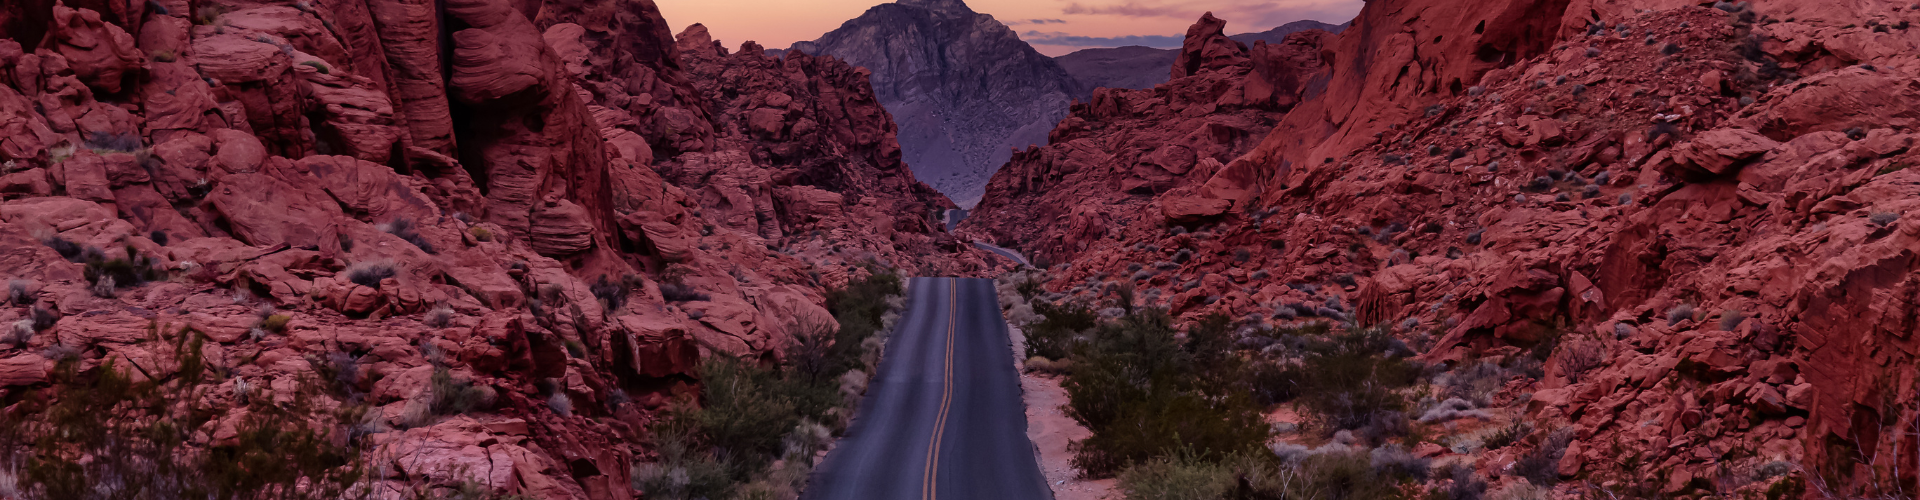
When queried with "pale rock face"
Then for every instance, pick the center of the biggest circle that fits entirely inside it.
(963, 87)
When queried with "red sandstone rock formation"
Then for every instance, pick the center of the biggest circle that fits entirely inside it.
(262, 154)
(1719, 200)
(1106, 161)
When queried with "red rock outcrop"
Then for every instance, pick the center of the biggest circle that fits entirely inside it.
(1716, 202)
(1107, 160)
(803, 144)
(313, 160)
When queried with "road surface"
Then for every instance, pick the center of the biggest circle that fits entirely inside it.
(943, 419)
(954, 217)
(1009, 254)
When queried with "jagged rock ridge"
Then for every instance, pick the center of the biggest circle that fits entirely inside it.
(964, 89)
(1138, 67)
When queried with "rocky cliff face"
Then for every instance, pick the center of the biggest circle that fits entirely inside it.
(1707, 208)
(546, 200)
(964, 89)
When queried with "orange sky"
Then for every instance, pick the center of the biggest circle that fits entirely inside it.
(1054, 27)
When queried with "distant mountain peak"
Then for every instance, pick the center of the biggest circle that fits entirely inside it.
(946, 6)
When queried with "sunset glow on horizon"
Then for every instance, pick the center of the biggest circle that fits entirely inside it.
(1054, 27)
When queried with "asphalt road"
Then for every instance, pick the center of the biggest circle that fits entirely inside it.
(943, 418)
(1009, 254)
(954, 217)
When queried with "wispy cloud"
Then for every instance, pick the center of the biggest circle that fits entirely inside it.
(1058, 38)
(1129, 9)
(1244, 14)
(1022, 22)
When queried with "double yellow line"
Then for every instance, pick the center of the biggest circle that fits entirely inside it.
(929, 487)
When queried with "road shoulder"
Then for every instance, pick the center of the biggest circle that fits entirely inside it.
(1052, 431)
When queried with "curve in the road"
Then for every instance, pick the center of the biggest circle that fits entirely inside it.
(1003, 252)
(943, 418)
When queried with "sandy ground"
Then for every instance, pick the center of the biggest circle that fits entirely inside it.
(1051, 430)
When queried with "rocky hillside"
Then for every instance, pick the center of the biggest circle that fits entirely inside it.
(1699, 215)
(1137, 67)
(398, 203)
(1105, 164)
(964, 89)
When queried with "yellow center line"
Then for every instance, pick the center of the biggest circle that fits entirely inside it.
(930, 485)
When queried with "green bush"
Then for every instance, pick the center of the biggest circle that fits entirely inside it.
(743, 413)
(1144, 394)
(682, 472)
(1053, 336)
(1348, 381)
(1176, 477)
(1337, 475)
(1344, 475)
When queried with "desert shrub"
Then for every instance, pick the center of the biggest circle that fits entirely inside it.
(1578, 357)
(275, 323)
(1523, 491)
(439, 317)
(451, 396)
(20, 292)
(1679, 313)
(743, 413)
(560, 404)
(1144, 393)
(1176, 477)
(1452, 409)
(1347, 382)
(676, 292)
(1464, 484)
(42, 319)
(403, 228)
(1507, 435)
(369, 273)
(1540, 466)
(612, 295)
(684, 470)
(812, 340)
(111, 142)
(1053, 337)
(1029, 287)
(1339, 475)
(133, 270)
(1883, 219)
(108, 436)
(318, 66)
(480, 233)
(1393, 460)
(67, 249)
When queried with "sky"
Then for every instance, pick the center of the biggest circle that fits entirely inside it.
(1054, 27)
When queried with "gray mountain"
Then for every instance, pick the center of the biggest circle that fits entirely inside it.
(964, 89)
(1138, 67)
